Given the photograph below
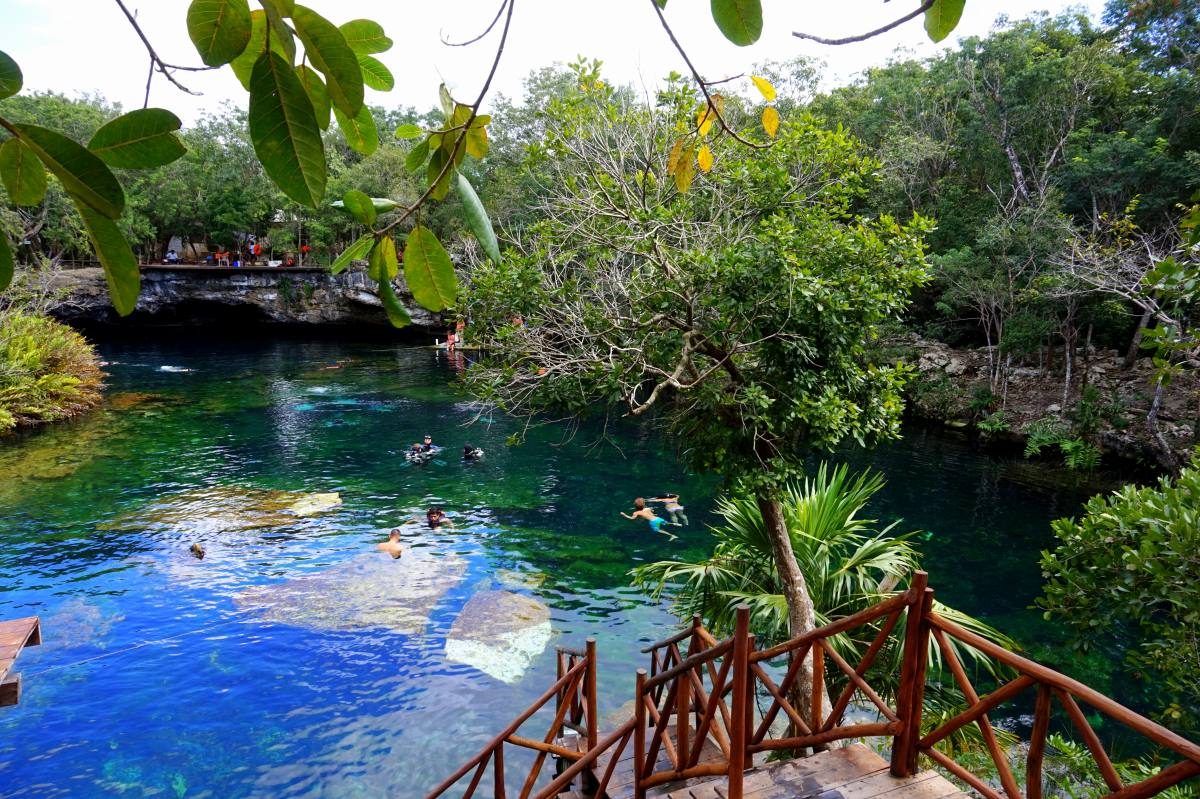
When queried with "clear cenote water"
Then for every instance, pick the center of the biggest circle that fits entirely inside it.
(289, 662)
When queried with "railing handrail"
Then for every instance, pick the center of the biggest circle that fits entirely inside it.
(500, 739)
(696, 685)
(1043, 674)
(589, 757)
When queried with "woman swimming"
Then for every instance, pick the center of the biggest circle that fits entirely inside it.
(673, 508)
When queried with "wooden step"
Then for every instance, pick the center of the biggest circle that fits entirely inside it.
(854, 772)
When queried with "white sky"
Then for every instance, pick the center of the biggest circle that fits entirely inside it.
(76, 46)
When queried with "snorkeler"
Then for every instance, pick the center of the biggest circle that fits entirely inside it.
(392, 546)
(472, 453)
(657, 523)
(673, 508)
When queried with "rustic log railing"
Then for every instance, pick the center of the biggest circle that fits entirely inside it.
(574, 696)
(695, 709)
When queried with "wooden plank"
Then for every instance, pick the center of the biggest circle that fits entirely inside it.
(15, 635)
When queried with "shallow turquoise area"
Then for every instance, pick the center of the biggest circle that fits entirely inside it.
(164, 675)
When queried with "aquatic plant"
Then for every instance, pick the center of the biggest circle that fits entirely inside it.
(47, 371)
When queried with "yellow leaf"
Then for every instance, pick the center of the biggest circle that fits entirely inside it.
(705, 158)
(685, 170)
(764, 86)
(770, 121)
(705, 119)
(673, 158)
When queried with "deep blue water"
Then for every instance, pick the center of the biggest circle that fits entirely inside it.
(159, 677)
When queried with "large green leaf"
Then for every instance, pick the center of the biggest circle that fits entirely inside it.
(417, 155)
(355, 252)
(409, 131)
(23, 174)
(383, 263)
(243, 65)
(6, 262)
(366, 36)
(10, 76)
(284, 130)
(428, 270)
(282, 39)
(942, 18)
(436, 177)
(220, 29)
(317, 93)
(361, 134)
(740, 20)
(81, 171)
(360, 206)
(395, 311)
(139, 140)
(477, 218)
(284, 8)
(327, 50)
(120, 266)
(375, 75)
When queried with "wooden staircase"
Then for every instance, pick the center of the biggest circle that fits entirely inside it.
(700, 729)
(854, 772)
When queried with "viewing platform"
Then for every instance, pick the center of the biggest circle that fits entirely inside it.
(729, 720)
(15, 635)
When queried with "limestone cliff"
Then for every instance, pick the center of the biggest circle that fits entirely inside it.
(251, 295)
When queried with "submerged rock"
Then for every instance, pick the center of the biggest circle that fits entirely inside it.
(519, 579)
(366, 591)
(227, 509)
(500, 633)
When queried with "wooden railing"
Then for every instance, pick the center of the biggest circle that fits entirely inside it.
(574, 695)
(695, 712)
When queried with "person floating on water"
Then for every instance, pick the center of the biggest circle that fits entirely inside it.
(421, 452)
(472, 453)
(392, 546)
(657, 523)
(436, 517)
(672, 506)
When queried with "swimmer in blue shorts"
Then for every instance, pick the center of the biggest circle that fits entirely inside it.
(657, 523)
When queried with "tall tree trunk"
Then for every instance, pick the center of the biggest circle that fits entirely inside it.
(1136, 344)
(801, 614)
(1167, 454)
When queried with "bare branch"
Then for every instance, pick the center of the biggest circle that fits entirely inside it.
(862, 37)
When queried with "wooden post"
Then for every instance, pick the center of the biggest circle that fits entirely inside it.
(639, 735)
(683, 700)
(818, 670)
(498, 772)
(750, 703)
(593, 722)
(912, 677)
(741, 675)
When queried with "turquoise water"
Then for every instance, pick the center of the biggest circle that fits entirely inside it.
(296, 661)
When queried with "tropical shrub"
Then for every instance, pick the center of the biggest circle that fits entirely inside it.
(47, 371)
(1126, 574)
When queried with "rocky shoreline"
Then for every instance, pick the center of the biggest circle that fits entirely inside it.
(954, 386)
(250, 296)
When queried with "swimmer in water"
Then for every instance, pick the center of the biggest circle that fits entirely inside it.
(436, 517)
(472, 453)
(657, 523)
(673, 508)
(392, 546)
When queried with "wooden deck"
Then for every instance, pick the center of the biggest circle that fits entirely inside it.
(15, 635)
(854, 772)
